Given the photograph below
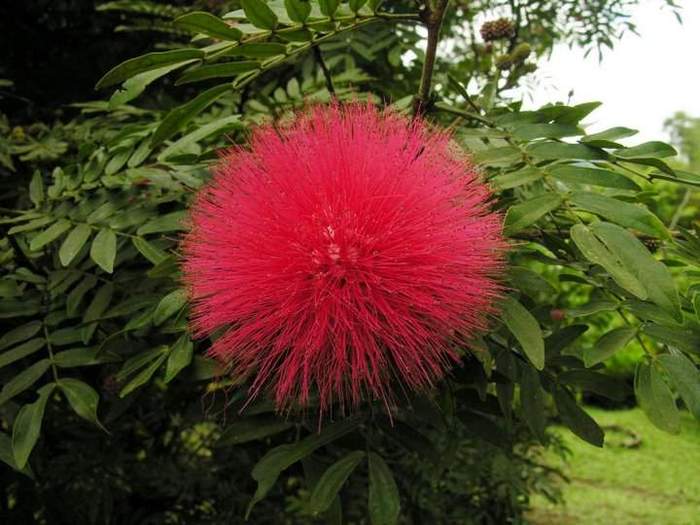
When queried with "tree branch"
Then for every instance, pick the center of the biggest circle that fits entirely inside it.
(432, 17)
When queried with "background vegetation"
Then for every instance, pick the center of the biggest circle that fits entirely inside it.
(110, 413)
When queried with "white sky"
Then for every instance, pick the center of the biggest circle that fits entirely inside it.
(641, 82)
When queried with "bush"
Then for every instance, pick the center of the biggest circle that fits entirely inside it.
(110, 412)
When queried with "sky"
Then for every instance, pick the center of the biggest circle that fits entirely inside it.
(641, 82)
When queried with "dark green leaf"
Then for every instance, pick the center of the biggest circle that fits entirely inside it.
(332, 481)
(529, 132)
(526, 330)
(21, 351)
(73, 242)
(180, 357)
(23, 380)
(50, 234)
(260, 50)
(169, 222)
(180, 116)
(268, 469)
(596, 252)
(144, 376)
(597, 382)
(19, 334)
(103, 250)
(685, 377)
(609, 135)
(656, 398)
(147, 62)
(623, 213)
(252, 428)
(593, 176)
(151, 252)
(608, 344)
(208, 24)
(530, 211)
(298, 10)
(561, 150)
(328, 7)
(384, 503)
(578, 421)
(654, 149)
(532, 402)
(134, 86)
(169, 306)
(82, 398)
(223, 70)
(258, 14)
(27, 426)
(77, 294)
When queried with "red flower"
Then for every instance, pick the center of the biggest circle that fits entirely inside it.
(343, 254)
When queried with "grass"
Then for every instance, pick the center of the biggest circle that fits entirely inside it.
(655, 483)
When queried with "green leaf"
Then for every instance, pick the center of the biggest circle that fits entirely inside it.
(298, 10)
(526, 330)
(73, 242)
(82, 398)
(685, 377)
(103, 250)
(573, 114)
(144, 375)
(332, 481)
(356, 5)
(623, 213)
(609, 135)
(149, 250)
(654, 149)
(653, 274)
(147, 62)
(251, 429)
(578, 421)
(561, 150)
(76, 295)
(597, 382)
(384, 502)
(608, 344)
(208, 24)
(223, 70)
(169, 222)
(94, 311)
(83, 357)
(532, 402)
(134, 86)
(656, 398)
(258, 14)
(596, 252)
(180, 357)
(675, 336)
(517, 178)
(217, 127)
(23, 380)
(592, 176)
(7, 456)
(169, 306)
(328, 7)
(180, 116)
(27, 426)
(21, 351)
(260, 50)
(19, 334)
(267, 470)
(529, 132)
(36, 189)
(530, 211)
(50, 234)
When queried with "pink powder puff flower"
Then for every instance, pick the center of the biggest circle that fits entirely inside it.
(344, 254)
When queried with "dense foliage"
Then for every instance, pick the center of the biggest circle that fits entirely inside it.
(111, 413)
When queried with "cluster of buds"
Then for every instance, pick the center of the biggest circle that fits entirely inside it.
(497, 30)
(516, 57)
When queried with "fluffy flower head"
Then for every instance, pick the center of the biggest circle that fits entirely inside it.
(342, 255)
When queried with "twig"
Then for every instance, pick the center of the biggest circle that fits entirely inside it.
(326, 72)
(432, 17)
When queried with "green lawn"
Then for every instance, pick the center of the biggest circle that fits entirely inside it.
(656, 483)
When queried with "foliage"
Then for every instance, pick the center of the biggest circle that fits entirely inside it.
(97, 351)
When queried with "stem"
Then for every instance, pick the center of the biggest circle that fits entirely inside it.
(326, 72)
(679, 210)
(432, 17)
